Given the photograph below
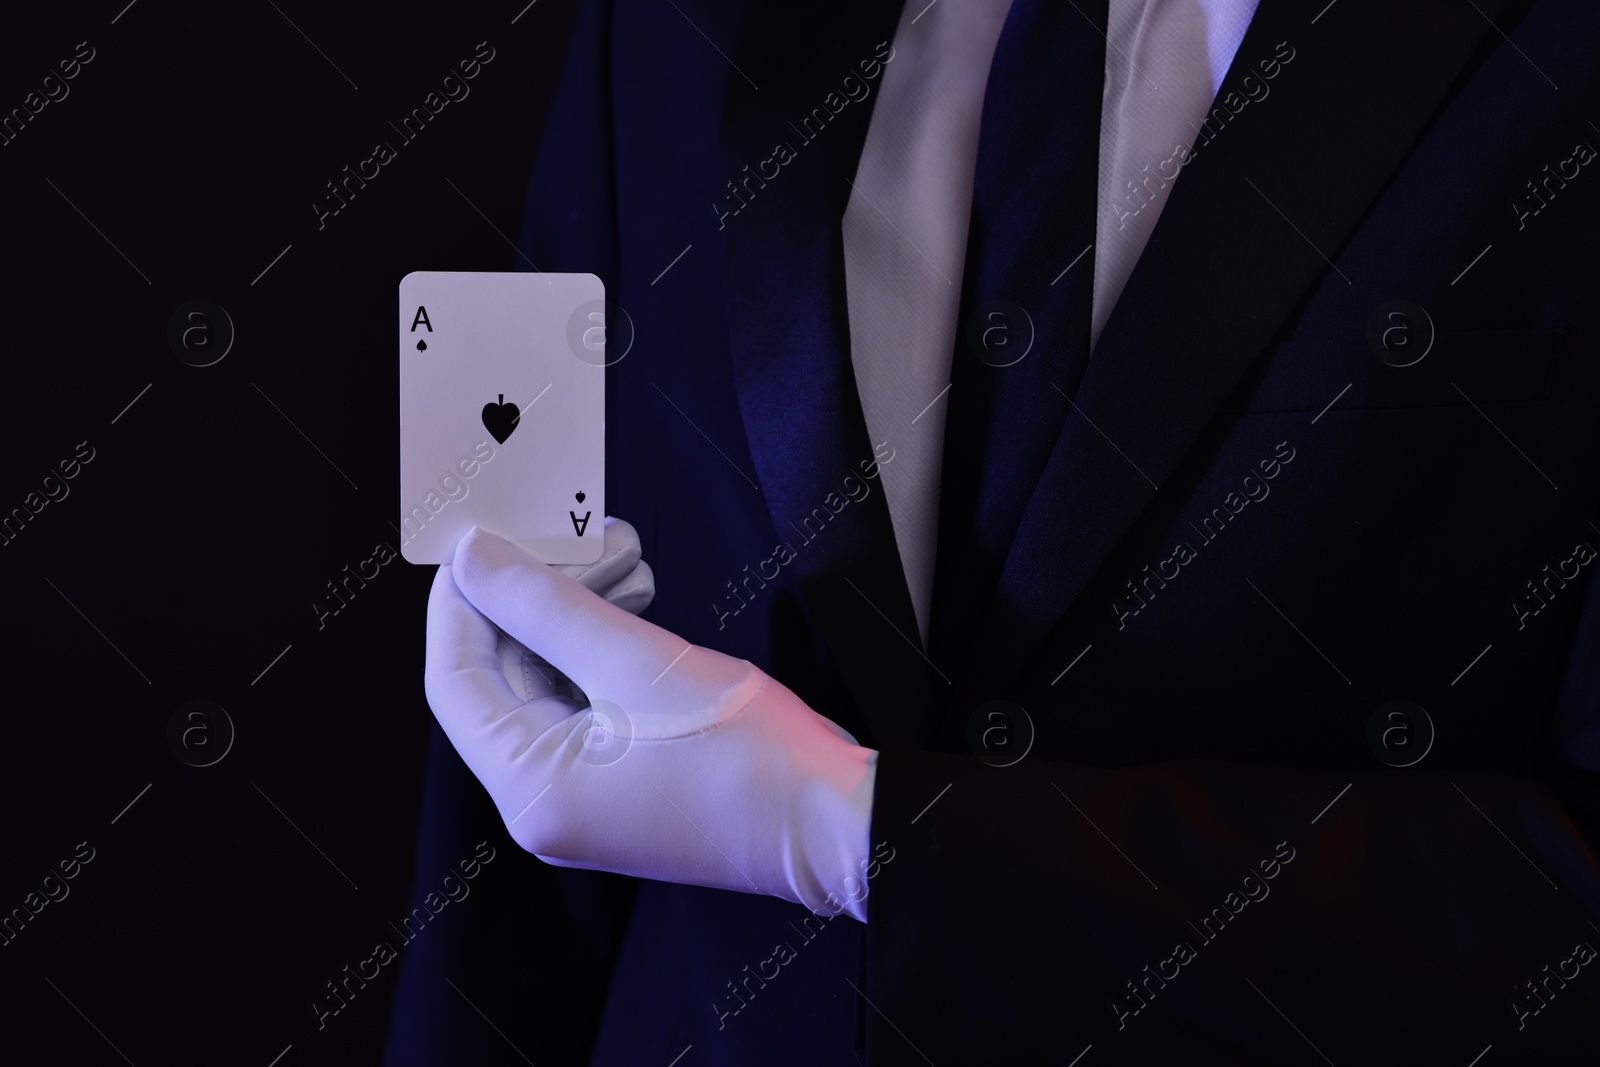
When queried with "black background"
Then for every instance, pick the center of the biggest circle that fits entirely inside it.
(197, 539)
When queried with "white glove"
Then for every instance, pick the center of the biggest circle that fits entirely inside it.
(690, 766)
(620, 575)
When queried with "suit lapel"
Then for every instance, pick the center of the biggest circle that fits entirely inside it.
(1241, 241)
(1029, 280)
(790, 140)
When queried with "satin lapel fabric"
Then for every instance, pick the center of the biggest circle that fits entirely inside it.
(1026, 298)
(787, 322)
(1252, 223)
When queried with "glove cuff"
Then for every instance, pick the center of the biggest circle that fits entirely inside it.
(835, 813)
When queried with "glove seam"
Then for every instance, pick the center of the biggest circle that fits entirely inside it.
(527, 682)
(720, 723)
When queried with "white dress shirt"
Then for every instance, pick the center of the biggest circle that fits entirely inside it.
(905, 228)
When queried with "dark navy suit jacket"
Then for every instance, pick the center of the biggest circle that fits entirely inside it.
(1258, 522)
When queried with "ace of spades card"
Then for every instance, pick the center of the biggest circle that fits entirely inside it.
(502, 412)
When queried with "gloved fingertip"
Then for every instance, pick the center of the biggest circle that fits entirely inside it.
(486, 547)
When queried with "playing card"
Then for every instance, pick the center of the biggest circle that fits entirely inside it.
(502, 412)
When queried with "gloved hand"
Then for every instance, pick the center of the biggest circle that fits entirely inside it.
(620, 575)
(673, 762)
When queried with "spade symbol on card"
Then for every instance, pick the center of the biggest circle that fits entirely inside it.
(422, 346)
(578, 496)
(500, 419)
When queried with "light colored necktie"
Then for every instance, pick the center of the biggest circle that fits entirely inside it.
(905, 241)
(1163, 69)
